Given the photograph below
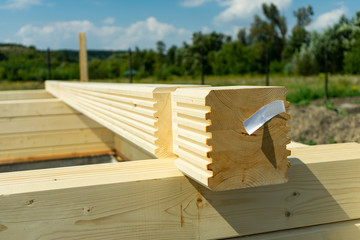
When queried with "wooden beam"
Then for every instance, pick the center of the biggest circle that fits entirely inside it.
(46, 123)
(24, 94)
(213, 145)
(347, 230)
(140, 113)
(152, 199)
(30, 140)
(84, 77)
(46, 129)
(55, 152)
(296, 145)
(127, 150)
(37, 107)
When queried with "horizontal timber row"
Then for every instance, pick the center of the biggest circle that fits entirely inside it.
(152, 199)
(201, 125)
(140, 113)
(35, 126)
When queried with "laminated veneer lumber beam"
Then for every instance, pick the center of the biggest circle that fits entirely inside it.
(213, 145)
(140, 113)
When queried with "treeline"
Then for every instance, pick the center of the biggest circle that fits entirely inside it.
(268, 45)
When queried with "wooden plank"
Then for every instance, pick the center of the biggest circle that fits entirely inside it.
(129, 151)
(54, 138)
(140, 113)
(152, 199)
(347, 230)
(296, 145)
(55, 152)
(24, 94)
(46, 123)
(37, 107)
(84, 77)
(213, 145)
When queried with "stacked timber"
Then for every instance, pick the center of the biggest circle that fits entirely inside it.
(34, 126)
(213, 145)
(139, 113)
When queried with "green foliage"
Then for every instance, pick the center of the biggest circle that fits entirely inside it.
(332, 140)
(330, 105)
(304, 94)
(300, 54)
(303, 140)
(352, 59)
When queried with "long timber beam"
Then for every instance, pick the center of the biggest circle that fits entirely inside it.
(152, 199)
(140, 113)
(45, 129)
(346, 230)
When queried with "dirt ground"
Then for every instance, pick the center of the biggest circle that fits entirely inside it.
(316, 124)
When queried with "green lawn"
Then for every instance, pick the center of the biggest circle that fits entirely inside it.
(301, 90)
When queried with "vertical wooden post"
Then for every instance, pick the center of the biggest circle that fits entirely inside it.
(83, 58)
(49, 63)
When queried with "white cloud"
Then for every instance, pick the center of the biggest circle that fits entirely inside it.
(244, 9)
(109, 21)
(193, 3)
(327, 19)
(64, 35)
(18, 4)
(205, 30)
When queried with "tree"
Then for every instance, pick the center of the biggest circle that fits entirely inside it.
(271, 33)
(160, 47)
(299, 35)
(242, 37)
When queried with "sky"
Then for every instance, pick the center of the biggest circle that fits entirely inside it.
(120, 24)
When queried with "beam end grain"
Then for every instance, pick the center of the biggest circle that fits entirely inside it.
(209, 137)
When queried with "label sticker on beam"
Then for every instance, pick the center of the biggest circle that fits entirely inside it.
(264, 114)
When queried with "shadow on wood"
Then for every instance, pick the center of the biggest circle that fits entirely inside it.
(268, 146)
(305, 200)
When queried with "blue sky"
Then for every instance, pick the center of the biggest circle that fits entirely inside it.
(120, 24)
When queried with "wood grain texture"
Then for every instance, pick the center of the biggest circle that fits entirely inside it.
(127, 150)
(83, 62)
(37, 107)
(46, 123)
(54, 138)
(24, 94)
(296, 145)
(46, 129)
(213, 146)
(140, 113)
(55, 152)
(151, 199)
(347, 230)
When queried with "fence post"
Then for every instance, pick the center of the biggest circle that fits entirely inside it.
(84, 77)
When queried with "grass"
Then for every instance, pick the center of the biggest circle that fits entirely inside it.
(303, 140)
(301, 90)
(332, 140)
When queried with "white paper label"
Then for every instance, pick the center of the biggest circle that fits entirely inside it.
(264, 114)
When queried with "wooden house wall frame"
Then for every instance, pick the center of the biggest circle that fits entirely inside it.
(150, 198)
